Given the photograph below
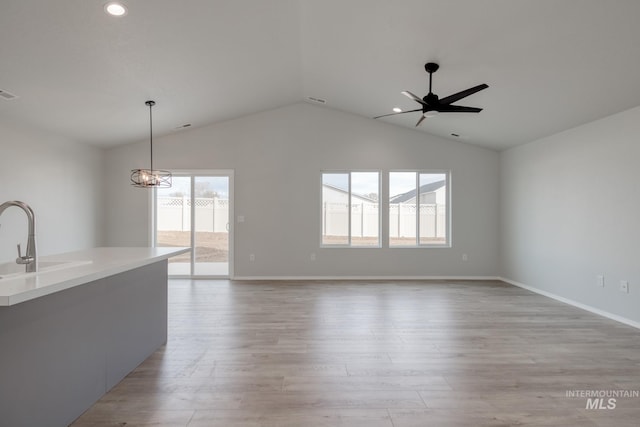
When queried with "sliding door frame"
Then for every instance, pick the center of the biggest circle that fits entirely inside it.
(192, 174)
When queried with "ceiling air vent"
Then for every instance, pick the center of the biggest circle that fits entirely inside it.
(184, 126)
(317, 100)
(6, 95)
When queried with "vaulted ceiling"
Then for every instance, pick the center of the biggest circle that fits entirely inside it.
(550, 64)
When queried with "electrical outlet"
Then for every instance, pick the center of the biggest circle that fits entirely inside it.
(313, 256)
(240, 218)
(624, 286)
(465, 257)
(600, 281)
(252, 257)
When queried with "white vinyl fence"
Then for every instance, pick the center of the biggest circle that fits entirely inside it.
(402, 220)
(174, 214)
(364, 219)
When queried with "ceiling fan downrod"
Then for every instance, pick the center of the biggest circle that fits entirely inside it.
(431, 67)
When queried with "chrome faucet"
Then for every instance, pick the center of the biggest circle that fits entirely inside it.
(29, 259)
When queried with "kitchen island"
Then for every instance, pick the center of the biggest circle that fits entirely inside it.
(72, 331)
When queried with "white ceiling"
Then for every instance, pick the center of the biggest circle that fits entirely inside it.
(550, 64)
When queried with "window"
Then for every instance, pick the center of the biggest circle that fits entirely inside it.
(418, 209)
(350, 209)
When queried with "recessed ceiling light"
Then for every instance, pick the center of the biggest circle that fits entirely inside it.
(115, 8)
(397, 110)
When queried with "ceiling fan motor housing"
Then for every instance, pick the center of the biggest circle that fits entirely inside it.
(431, 98)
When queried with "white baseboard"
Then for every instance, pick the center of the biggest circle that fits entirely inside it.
(378, 278)
(574, 303)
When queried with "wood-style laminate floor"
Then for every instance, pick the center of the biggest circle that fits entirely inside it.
(392, 354)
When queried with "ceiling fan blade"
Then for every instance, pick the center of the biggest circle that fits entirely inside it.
(420, 121)
(458, 109)
(463, 94)
(414, 97)
(395, 114)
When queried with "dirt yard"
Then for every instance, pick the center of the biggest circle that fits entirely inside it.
(210, 247)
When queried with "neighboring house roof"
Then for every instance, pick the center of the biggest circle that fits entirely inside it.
(360, 196)
(410, 195)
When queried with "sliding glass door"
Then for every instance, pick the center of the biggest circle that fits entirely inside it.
(196, 212)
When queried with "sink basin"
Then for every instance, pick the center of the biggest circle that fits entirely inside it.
(11, 269)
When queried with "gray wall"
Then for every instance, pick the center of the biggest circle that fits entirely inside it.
(277, 156)
(62, 182)
(570, 208)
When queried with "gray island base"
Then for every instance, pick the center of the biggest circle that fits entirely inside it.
(61, 352)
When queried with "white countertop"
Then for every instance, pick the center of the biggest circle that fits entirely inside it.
(84, 267)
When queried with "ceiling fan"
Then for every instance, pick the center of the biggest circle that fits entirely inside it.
(431, 104)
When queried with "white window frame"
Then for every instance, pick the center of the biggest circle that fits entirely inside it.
(349, 243)
(448, 238)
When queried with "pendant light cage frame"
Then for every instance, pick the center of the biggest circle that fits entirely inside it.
(150, 178)
(147, 178)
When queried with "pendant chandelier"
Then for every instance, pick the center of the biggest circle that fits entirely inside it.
(149, 178)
